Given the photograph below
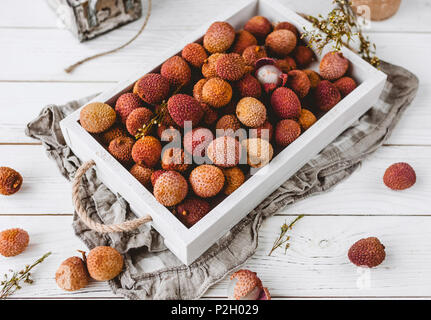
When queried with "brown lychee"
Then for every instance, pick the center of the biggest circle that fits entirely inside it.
(137, 119)
(281, 42)
(228, 122)
(126, 103)
(253, 53)
(206, 180)
(345, 85)
(287, 26)
(285, 103)
(191, 210)
(209, 66)
(155, 175)
(251, 112)
(177, 71)
(243, 40)
(259, 26)
(183, 107)
(104, 263)
(286, 64)
(121, 149)
(197, 140)
(197, 89)
(230, 67)
(367, 252)
(333, 66)
(72, 274)
(10, 181)
(326, 95)
(170, 188)
(173, 159)
(152, 88)
(216, 92)
(142, 174)
(114, 132)
(314, 78)
(194, 54)
(210, 115)
(306, 119)
(219, 37)
(303, 56)
(146, 151)
(298, 81)
(286, 131)
(249, 86)
(224, 151)
(97, 117)
(399, 176)
(234, 179)
(259, 152)
(13, 242)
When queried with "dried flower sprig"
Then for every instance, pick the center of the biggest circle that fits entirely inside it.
(282, 238)
(340, 27)
(11, 282)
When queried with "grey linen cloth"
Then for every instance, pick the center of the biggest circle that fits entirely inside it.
(153, 272)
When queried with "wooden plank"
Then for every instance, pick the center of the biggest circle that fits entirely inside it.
(315, 265)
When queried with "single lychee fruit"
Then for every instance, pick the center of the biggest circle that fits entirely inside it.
(72, 274)
(345, 85)
(246, 285)
(333, 66)
(399, 176)
(210, 115)
(314, 78)
(251, 112)
(168, 134)
(173, 160)
(270, 77)
(153, 88)
(249, 86)
(281, 42)
(264, 131)
(229, 123)
(259, 152)
(197, 89)
(303, 55)
(216, 92)
(146, 151)
(183, 107)
(367, 252)
(137, 119)
(191, 210)
(10, 181)
(287, 26)
(114, 132)
(326, 95)
(126, 103)
(177, 71)
(13, 242)
(259, 26)
(104, 263)
(243, 40)
(197, 140)
(298, 81)
(209, 66)
(142, 174)
(97, 117)
(194, 54)
(219, 37)
(224, 151)
(286, 131)
(230, 108)
(287, 64)
(170, 188)
(206, 180)
(121, 149)
(285, 103)
(234, 179)
(155, 175)
(253, 53)
(306, 119)
(230, 67)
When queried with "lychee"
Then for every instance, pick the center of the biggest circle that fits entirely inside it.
(209, 66)
(251, 112)
(191, 210)
(170, 188)
(155, 175)
(194, 54)
(259, 152)
(229, 123)
(224, 151)
(13, 242)
(333, 66)
(253, 53)
(197, 89)
(206, 180)
(399, 176)
(173, 160)
(298, 81)
(286, 64)
(326, 95)
(285, 103)
(142, 174)
(246, 285)
(230, 67)
(72, 274)
(249, 86)
(216, 92)
(306, 119)
(303, 56)
(219, 37)
(243, 40)
(104, 263)
(270, 76)
(177, 71)
(281, 42)
(197, 140)
(121, 149)
(114, 132)
(137, 119)
(126, 103)
(286, 131)
(146, 151)
(287, 26)
(97, 117)
(314, 78)
(183, 107)
(368, 252)
(264, 131)
(259, 26)
(152, 88)
(234, 179)
(10, 181)
(345, 85)
(210, 115)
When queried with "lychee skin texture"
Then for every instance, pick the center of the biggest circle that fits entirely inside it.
(303, 56)
(97, 117)
(197, 140)
(286, 25)
(249, 86)
(224, 151)
(13, 242)
(126, 103)
(216, 92)
(190, 211)
(399, 176)
(121, 149)
(333, 66)
(251, 112)
(114, 132)
(137, 119)
(281, 42)
(146, 151)
(307, 119)
(210, 115)
(264, 131)
(194, 54)
(345, 85)
(286, 131)
(234, 179)
(285, 103)
(298, 81)
(152, 88)
(253, 53)
(245, 285)
(183, 107)
(170, 188)
(206, 180)
(228, 122)
(104, 263)
(155, 175)
(287, 64)
(326, 95)
(173, 160)
(258, 26)
(142, 174)
(259, 152)
(368, 252)
(197, 89)
(314, 78)
(243, 40)
(219, 37)
(72, 274)
(177, 71)
(209, 66)
(230, 67)
(10, 181)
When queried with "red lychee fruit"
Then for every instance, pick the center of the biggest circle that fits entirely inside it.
(265, 131)
(115, 131)
(285, 103)
(197, 140)
(219, 37)
(345, 85)
(303, 56)
(72, 274)
(298, 81)
(155, 175)
(97, 117)
(286, 25)
(259, 26)
(249, 86)
(368, 252)
(191, 210)
(253, 53)
(13, 242)
(173, 159)
(146, 151)
(224, 151)
(251, 112)
(121, 149)
(216, 92)
(126, 103)
(142, 174)
(10, 181)
(306, 119)
(206, 180)
(104, 263)
(177, 71)
(194, 54)
(326, 95)
(333, 66)
(246, 285)
(183, 107)
(399, 176)
(230, 67)
(234, 179)
(137, 119)
(209, 66)
(243, 40)
(210, 115)
(286, 131)
(287, 64)
(281, 42)
(153, 88)
(170, 188)
(228, 123)
(314, 78)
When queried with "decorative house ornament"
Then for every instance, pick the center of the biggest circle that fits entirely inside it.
(89, 18)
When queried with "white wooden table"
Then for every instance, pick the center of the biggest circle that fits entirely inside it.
(33, 53)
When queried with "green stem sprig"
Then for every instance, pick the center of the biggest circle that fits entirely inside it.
(283, 238)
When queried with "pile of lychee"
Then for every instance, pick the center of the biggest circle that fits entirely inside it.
(255, 78)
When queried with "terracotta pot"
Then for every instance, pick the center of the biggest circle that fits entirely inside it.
(379, 9)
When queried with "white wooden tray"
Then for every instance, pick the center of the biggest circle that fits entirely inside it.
(189, 244)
